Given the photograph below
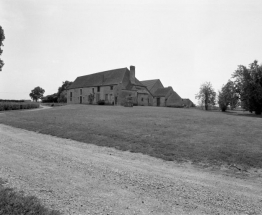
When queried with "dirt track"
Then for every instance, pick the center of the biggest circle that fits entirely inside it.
(78, 178)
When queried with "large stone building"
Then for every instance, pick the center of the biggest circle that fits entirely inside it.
(112, 87)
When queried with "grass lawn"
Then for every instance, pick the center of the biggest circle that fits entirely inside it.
(213, 138)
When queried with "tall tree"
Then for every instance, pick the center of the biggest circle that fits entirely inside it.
(228, 96)
(206, 95)
(2, 37)
(61, 94)
(37, 93)
(248, 82)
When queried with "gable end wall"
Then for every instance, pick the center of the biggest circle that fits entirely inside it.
(156, 86)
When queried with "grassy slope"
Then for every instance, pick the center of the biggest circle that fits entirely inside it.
(167, 133)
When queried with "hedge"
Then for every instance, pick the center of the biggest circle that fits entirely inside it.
(4, 106)
(11, 100)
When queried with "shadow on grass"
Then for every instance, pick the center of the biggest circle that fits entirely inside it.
(240, 113)
(12, 202)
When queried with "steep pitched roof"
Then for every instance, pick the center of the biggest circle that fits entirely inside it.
(187, 101)
(138, 83)
(109, 77)
(149, 83)
(162, 91)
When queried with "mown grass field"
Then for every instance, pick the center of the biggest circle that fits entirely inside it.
(201, 137)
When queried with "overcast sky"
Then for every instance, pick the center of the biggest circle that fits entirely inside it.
(182, 43)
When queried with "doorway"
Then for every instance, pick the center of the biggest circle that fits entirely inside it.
(115, 100)
(157, 101)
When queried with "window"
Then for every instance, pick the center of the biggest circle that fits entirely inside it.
(71, 95)
(98, 89)
(111, 87)
(106, 97)
(80, 91)
(93, 90)
(142, 99)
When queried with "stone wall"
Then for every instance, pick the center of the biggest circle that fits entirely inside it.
(142, 99)
(106, 93)
(162, 101)
(174, 100)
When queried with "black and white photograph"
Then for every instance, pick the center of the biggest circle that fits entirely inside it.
(130, 107)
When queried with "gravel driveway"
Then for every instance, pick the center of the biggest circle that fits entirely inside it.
(78, 178)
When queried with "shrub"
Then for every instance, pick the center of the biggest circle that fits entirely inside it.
(223, 108)
(50, 98)
(101, 102)
(4, 106)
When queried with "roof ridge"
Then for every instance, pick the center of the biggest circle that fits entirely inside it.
(108, 77)
(151, 80)
(101, 72)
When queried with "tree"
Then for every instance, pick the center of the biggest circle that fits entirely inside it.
(228, 96)
(37, 93)
(50, 98)
(206, 95)
(61, 94)
(91, 98)
(248, 82)
(2, 37)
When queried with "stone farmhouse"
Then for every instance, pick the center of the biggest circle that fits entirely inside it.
(163, 96)
(116, 86)
(113, 87)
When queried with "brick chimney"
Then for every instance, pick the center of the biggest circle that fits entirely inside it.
(132, 74)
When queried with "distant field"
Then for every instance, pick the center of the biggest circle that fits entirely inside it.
(213, 138)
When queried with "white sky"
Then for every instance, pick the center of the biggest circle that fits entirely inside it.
(182, 43)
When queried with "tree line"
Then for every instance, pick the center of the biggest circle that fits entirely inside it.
(244, 88)
(2, 37)
(61, 96)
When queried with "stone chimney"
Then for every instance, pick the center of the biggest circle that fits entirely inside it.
(132, 74)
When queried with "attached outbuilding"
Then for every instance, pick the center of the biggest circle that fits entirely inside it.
(167, 97)
(153, 85)
(162, 96)
(188, 103)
